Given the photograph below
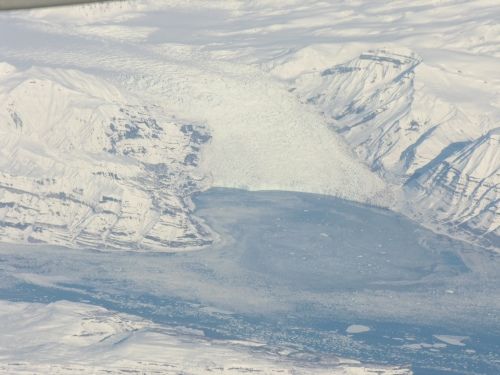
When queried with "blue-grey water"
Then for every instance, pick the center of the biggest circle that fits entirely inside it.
(294, 270)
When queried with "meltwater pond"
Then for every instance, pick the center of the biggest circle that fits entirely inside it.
(308, 273)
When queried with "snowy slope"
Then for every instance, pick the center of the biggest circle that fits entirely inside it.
(368, 100)
(407, 134)
(112, 115)
(280, 87)
(74, 338)
(93, 168)
(462, 187)
(83, 165)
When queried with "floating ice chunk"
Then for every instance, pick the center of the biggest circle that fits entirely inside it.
(452, 340)
(357, 328)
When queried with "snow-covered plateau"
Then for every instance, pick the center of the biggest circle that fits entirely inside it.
(228, 186)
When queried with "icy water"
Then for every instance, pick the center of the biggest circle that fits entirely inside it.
(308, 273)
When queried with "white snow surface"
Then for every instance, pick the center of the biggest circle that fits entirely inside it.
(305, 96)
(81, 164)
(445, 156)
(112, 115)
(75, 338)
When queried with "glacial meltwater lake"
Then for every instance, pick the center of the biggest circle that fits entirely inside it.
(313, 274)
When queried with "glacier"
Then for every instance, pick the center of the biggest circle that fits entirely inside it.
(300, 187)
(299, 101)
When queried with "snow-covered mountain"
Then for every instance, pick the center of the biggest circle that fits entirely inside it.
(86, 163)
(446, 159)
(284, 93)
(112, 117)
(462, 187)
(81, 164)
